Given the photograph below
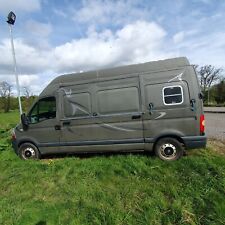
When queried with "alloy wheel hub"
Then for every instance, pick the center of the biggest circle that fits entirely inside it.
(29, 153)
(168, 150)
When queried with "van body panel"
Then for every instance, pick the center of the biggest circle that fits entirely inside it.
(120, 109)
(44, 130)
(93, 112)
(192, 142)
(40, 136)
(165, 118)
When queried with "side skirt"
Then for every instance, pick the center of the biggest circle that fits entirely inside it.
(92, 146)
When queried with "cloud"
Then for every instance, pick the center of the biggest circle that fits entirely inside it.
(19, 5)
(30, 59)
(205, 1)
(135, 42)
(178, 37)
(39, 34)
(110, 12)
(42, 30)
(30, 81)
(181, 36)
(60, 13)
(201, 49)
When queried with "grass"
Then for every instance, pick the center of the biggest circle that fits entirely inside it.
(112, 189)
(9, 119)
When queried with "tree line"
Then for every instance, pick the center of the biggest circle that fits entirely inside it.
(9, 102)
(211, 80)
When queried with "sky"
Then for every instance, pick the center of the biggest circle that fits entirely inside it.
(61, 36)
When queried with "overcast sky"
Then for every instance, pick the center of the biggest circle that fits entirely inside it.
(61, 36)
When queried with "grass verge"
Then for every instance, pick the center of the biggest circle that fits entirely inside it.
(114, 189)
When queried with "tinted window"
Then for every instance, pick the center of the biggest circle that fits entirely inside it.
(173, 95)
(173, 99)
(77, 105)
(43, 109)
(120, 100)
(172, 91)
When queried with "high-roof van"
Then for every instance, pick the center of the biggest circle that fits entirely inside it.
(154, 106)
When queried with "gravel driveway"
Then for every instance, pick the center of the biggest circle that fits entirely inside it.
(215, 125)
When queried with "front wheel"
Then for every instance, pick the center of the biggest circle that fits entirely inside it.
(28, 151)
(169, 149)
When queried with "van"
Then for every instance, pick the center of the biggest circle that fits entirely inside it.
(154, 106)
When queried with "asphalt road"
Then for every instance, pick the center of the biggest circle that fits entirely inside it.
(215, 125)
(214, 109)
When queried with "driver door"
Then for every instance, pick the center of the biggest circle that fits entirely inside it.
(43, 119)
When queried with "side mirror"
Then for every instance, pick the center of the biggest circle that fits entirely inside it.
(200, 95)
(24, 121)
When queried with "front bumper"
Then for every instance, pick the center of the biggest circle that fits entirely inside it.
(195, 142)
(15, 146)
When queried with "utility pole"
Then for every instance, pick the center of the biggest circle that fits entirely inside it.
(11, 20)
(208, 96)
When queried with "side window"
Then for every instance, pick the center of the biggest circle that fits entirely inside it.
(77, 105)
(44, 109)
(173, 95)
(33, 115)
(119, 100)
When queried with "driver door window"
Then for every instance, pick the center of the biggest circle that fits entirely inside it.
(44, 109)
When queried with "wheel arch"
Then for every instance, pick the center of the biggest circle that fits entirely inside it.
(26, 140)
(175, 136)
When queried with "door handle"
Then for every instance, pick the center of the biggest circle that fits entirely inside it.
(57, 127)
(192, 103)
(150, 107)
(134, 117)
(66, 123)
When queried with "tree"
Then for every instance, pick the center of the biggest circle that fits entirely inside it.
(220, 92)
(208, 75)
(5, 93)
(27, 95)
(26, 91)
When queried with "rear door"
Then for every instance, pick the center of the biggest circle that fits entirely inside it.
(167, 109)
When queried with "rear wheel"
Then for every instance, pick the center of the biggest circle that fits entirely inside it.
(169, 149)
(28, 151)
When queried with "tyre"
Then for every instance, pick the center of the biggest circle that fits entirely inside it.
(169, 149)
(28, 151)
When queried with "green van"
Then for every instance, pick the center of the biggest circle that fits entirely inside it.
(154, 106)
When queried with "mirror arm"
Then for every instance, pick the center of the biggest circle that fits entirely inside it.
(24, 121)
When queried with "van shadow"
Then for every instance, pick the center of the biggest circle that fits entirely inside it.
(96, 154)
(41, 223)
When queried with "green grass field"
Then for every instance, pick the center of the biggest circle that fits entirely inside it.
(111, 189)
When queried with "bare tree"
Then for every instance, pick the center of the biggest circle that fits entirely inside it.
(5, 93)
(27, 94)
(208, 75)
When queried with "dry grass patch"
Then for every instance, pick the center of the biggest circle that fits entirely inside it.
(217, 145)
